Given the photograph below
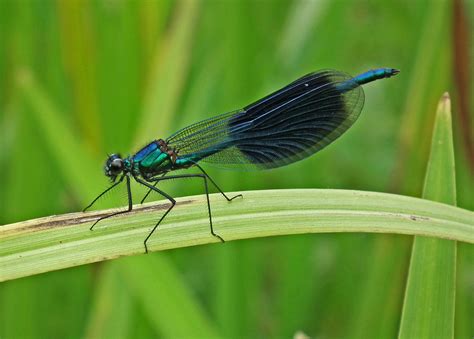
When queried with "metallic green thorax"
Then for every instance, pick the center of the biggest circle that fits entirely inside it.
(154, 159)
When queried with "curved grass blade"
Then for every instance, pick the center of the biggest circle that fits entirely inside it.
(47, 244)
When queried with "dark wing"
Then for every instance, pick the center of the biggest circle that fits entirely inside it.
(286, 126)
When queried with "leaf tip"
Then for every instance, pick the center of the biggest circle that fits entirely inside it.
(444, 105)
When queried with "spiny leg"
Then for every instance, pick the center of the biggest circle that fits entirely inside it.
(215, 185)
(129, 193)
(207, 175)
(101, 194)
(149, 191)
(167, 196)
(207, 194)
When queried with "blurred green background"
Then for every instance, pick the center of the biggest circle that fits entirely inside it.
(120, 73)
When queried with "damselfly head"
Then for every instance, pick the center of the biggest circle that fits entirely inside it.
(113, 166)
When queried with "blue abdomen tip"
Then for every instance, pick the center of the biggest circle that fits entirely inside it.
(375, 74)
(391, 71)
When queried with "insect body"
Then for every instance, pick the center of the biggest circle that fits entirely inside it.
(286, 126)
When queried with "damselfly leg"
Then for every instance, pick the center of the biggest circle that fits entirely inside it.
(167, 196)
(218, 188)
(149, 190)
(182, 176)
(208, 177)
(129, 195)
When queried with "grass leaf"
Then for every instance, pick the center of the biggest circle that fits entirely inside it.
(166, 300)
(169, 71)
(70, 155)
(52, 243)
(428, 310)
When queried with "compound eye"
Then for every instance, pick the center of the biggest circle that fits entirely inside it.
(116, 164)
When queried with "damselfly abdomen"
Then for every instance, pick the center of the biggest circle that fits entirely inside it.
(285, 126)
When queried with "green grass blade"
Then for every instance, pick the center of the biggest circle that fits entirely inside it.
(381, 290)
(302, 18)
(69, 154)
(52, 243)
(80, 60)
(440, 179)
(109, 317)
(168, 74)
(408, 172)
(166, 300)
(428, 310)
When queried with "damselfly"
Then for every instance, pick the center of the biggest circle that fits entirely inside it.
(285, 126)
